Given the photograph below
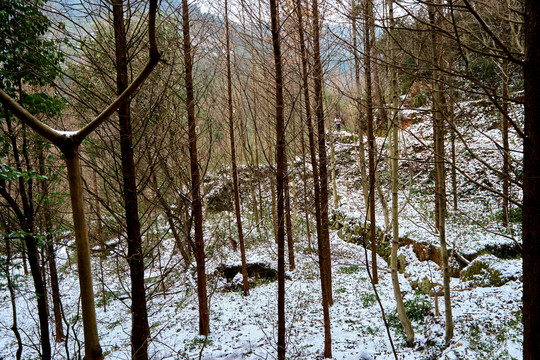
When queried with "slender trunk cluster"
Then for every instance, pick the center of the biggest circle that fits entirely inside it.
(233, 156)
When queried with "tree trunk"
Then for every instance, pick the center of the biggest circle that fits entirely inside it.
(91, 340)
(288, 220)
(101, 240)
(35, 269)
(402, 314)
(281, 173)
(140, 331)
(309, 123)
(368, 11)
(51, 256)
(237, 209)
(440, 188)
(453, 148)
(11, 289)
(506, 145)
(531, 184)
(324, 238)
(307, 195)
(204, 317)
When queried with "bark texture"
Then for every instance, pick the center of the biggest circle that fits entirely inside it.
(204, 317)
(324, 238)
(140, 331)
(531, 184)
(281, 173)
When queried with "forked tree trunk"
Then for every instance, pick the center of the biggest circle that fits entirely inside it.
(69, 145)
(237, 209)
(281, 173)
(531, 184)
(204, 317)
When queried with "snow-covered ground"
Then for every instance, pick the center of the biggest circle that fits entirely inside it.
(487, 319)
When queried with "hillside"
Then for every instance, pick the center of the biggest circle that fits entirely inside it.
(486, 263)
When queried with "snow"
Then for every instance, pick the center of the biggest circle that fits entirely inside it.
(66, 133)
(487, 319)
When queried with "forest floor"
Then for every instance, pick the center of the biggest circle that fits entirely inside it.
(486, 304)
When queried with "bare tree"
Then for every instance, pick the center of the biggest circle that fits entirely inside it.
(204, 318)
(324, 238)
(394, 155)
(237, 209)
(281, 173)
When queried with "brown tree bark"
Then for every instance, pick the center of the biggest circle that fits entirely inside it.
(440, 174)
(531, 183)
(324, 239)
(281, 173)
(35, 270)
(204, 317)
(92, 347)
(140, 331)
(368, 14)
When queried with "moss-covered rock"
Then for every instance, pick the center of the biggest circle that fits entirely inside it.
(356, 231)
(485, 271)
(220, 198)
